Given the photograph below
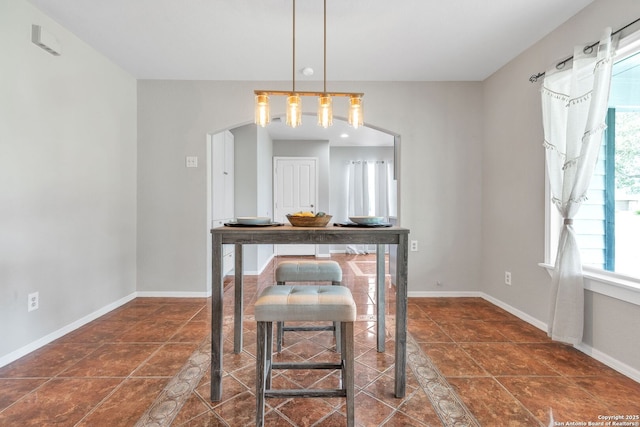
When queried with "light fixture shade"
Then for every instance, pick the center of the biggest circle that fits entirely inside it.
(325, 111)
(263, 117)
(356, 116)
(294, 110)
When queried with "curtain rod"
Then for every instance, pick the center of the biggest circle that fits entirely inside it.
(534, 78)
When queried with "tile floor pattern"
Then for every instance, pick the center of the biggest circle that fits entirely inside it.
(471, 363)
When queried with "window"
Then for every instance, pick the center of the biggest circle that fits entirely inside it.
(608, 223)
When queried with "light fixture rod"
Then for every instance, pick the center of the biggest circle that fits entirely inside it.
(293, 66)
(324, 74)
(287, 93)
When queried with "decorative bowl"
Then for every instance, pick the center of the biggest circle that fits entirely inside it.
(366, 220)
(309, 221)
(253, 220)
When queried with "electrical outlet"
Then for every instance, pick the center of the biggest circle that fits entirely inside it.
(507, 278)
(33, 301)
(414, 246)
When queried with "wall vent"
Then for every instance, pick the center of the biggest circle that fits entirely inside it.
(45, 40)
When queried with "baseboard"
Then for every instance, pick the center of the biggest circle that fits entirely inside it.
(519, 314)
(441, 294)
(171, 294)
(611, 362)
(623, 368)
(600, 356)
(266, 263)
(260, 269)
(23, 351)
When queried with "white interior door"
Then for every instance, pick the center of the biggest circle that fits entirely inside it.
(295, 189)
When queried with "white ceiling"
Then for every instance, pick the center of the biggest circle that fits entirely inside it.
(367, 40)
(339, 134)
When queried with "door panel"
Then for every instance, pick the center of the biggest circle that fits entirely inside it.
(295, 190)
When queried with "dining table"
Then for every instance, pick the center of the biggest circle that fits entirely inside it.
(349, 234)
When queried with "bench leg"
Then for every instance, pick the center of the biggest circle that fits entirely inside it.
(261, 357)
(269, 349)
(280, 327)
(348, 380)
(336, 326)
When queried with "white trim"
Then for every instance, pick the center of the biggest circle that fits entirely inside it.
(439, 294)
(171, 294)
(260, 270)
(628, 45)
(623, 368)
(606, 283)
(267, 262)
(519, 314)
(611, 362)
(41, 342)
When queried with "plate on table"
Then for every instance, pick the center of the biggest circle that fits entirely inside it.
(253, 220)
(366, 220)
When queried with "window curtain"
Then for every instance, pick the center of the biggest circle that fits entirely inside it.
(574, 106)
(370, 189)
(370, 192)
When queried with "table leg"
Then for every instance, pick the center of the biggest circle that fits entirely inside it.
(401, 315)
(239, 302)
(380, 297)
(217, 291)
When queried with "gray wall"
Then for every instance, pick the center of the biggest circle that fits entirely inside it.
(441, 148)
(67, 182)
(513, 202)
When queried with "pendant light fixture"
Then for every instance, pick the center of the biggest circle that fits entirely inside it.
(263, 117)
(355, 111)
(294, 100)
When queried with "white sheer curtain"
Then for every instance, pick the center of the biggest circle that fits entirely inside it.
(370, 188)
(370, 192)
(574, 105)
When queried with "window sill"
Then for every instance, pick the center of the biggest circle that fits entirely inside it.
(607, 283)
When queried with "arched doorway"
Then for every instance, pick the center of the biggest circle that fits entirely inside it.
(255, 148)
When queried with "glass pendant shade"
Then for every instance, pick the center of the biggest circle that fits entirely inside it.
(294, 111)
(325, 111)
(262, 110)
(356, 116)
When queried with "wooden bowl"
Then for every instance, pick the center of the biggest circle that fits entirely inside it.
(309, 221)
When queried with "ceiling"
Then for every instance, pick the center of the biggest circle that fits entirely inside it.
(338, 135)
(367, 40)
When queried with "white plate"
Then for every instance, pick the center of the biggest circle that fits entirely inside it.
(366, 220)
(253, 220)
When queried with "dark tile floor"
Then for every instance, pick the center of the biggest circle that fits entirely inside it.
(120, 370)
